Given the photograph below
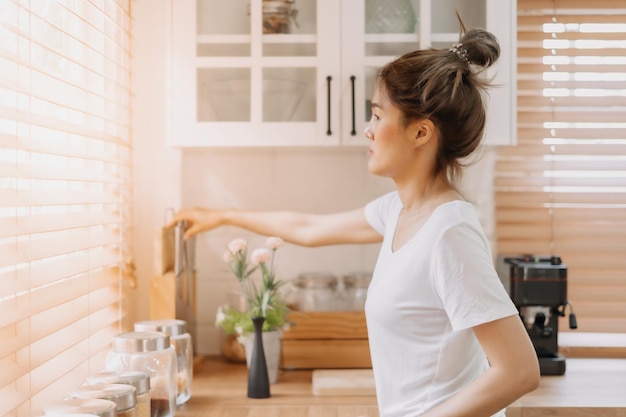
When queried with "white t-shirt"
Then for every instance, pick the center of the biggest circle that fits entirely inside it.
(422, 302)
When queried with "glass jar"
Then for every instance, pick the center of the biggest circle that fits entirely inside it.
(137, 379)
(182, 344)
(79, 406)
(152, 353)
(355, 289)
(278, 16)
(315, 291)
(122, 395)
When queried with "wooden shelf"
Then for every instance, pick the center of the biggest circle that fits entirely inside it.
(306, 345)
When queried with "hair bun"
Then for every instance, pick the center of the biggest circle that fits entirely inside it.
(482, 47)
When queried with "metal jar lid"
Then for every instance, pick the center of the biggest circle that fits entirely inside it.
(312, 280)
(92, 406)
(357, 279)
(172, 327)
(124, 396)
(278, 6)
(139, 380)
(134, 342)
(74, 414)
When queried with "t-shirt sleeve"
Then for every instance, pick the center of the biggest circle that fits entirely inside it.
(377, 211)
(470, 290)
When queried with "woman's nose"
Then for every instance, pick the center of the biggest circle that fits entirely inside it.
(368, 132)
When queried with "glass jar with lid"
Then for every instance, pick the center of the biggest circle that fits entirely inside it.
(278, 16)
(315, 291)
(152, 353)
(79, 406)
(124, 396)
(355, 289)
(182, 344)
(137, 379)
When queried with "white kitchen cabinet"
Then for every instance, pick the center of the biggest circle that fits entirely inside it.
(233, 85)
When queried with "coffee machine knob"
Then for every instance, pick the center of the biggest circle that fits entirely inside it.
(540, 325)
(540, 320)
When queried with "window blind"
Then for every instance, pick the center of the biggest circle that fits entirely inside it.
(65, 193)
(562, 189)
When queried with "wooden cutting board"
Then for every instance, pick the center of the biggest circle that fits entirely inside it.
(343, 382)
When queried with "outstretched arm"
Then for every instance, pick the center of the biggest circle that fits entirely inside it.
(303, 229)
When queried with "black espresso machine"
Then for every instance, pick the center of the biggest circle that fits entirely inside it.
(538, 287)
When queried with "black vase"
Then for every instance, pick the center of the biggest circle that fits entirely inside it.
(258, 378)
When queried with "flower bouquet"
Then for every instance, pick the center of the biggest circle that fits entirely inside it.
(263, 299)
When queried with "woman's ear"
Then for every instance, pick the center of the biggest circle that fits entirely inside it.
(423, 131)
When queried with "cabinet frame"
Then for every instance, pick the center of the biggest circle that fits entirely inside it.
(341, 56)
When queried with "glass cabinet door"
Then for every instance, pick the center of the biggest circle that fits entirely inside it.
(248, 72)
(303, 72)
(445, 25)
(381, 31)
(375, 32)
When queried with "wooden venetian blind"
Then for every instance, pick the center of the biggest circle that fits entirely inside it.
(562, 189)
(65, 193)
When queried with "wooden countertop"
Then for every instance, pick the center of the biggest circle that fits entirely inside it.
(590, 387)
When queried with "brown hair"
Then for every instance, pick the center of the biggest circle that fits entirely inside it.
(444, 85)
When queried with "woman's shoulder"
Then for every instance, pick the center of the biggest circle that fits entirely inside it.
(379, 211)
(387, 200)
(456, 213)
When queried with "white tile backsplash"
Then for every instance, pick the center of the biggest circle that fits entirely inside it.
(306, 179)
(317, 180)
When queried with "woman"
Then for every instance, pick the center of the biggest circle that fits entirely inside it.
(444, 336)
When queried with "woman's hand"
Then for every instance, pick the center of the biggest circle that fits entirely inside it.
(198, 220)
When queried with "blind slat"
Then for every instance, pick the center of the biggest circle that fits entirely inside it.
(562, 190)
(536, 102)
(47, 373)
(597, 293)
(41, 120)
(39, 143)
(65, 207)
(536, 215)
(545, 199)
(53, 244)
(531, 134)
(69, 219)
(583, 167)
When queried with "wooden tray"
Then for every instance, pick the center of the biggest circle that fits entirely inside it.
(326, 339)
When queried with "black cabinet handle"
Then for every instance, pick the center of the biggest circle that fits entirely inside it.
(328, 79)
(353, 132)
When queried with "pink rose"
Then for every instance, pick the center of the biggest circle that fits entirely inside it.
(274, 242)
(260, 256)
(228, 256)
(236, 246)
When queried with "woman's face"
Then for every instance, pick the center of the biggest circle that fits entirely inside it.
(390, 150)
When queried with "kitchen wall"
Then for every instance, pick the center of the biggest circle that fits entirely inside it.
(318, 180)
(312, 179)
